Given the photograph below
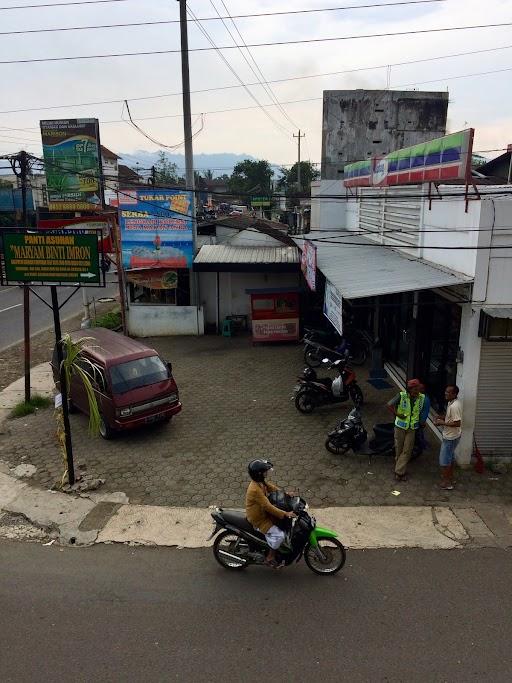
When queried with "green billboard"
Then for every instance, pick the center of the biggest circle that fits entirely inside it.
(43, 257)
(261, 201)
(72, 158)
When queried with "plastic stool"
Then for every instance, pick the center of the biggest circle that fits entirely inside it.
(227, 328)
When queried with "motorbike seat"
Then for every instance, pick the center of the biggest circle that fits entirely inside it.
(238, 519)
(326, 381)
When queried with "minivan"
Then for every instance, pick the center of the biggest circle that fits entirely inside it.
(133, 385)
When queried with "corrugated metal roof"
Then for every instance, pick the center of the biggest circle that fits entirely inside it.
(369, 269)
(498, 312)
(226, 254)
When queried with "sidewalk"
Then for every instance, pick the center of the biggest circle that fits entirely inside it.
(41, 381)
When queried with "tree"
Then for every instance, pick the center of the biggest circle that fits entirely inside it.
(75, 364)
(289, 178)
(251, 177)
(208, 175)
(165, 170)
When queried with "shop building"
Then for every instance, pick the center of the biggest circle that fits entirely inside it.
(427, 273)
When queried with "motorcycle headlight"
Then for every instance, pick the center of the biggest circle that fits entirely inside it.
(125, 412)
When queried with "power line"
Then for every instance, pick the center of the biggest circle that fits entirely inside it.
(218, 18)
(60, 4)
(269, 44)
(274, 81)
(235, 74)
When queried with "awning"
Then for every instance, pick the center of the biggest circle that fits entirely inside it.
(366, 268)
(233, 258)
(498, 312)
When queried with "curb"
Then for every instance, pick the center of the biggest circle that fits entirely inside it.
(88, 519)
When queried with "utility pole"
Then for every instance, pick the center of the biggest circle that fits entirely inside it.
(299, 137)
(23, 173)
(187, 128)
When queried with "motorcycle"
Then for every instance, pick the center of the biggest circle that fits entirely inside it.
(350, 433)
(316, 349)
(312, 391)
(240, 545)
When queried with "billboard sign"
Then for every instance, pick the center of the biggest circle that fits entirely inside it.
(333, 307)
(446, 158)
(308, 264)
(72, 158)
(156, 228)
(261, 201)
(51, 257)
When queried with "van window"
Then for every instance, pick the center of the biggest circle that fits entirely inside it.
(137, 373)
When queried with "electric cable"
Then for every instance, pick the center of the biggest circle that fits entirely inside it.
(302, 41)
(273, 81)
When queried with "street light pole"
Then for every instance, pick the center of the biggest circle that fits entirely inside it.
(187, 129)
(23, 161)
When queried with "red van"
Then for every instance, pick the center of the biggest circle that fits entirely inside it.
(133, 385)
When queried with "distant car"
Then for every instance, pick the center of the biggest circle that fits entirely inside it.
(133, 385)
(236, 212)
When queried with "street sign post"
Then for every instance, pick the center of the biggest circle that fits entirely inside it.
(55, 258)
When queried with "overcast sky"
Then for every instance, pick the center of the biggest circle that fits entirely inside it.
(484, 102)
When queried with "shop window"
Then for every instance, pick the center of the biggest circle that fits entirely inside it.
(263, 304)
(145, 295)
(495, 329)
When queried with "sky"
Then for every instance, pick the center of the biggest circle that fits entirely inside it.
(483, 102)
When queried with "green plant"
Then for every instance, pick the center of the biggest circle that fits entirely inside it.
(110, 320)
(24, 408)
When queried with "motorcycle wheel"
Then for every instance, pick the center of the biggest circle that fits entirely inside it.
(334, 553)
(227, 542)
(304, 403)
(356, 395)
(337, 450)
(313, 357)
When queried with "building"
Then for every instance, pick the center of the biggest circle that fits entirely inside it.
(359, 124)
(498, 168)
(426, 270)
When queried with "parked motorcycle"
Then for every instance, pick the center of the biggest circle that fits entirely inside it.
(317, 347)
(350, 434)
(240, 545)
(312, 392)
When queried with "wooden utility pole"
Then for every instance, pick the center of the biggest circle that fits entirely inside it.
(187, 128)
(299, 137)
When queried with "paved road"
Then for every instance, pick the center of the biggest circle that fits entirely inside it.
(11, 309)
(115, 613)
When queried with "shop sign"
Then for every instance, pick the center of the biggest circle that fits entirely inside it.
(43, 257)
(261, 201)
(275, 330)
(72, 159)
(156, 228)
(446, 158)
(308, 264)
(333, 307)
(153, 278)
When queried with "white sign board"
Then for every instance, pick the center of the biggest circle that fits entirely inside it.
(308, 264)
(333, 307)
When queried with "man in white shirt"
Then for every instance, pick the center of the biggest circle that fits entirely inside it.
(452, 429)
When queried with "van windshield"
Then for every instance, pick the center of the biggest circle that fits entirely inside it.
(137, 373)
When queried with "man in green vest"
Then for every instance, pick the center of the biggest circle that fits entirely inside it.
(407, 407)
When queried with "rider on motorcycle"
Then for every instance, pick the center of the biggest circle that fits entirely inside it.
(259, 510)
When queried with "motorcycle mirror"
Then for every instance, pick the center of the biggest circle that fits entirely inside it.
(325, 360)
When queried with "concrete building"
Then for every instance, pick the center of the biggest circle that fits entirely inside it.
(431, 282)
(359, 124)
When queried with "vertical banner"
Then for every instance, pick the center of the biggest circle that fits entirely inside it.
(72, 159)
(308, 264)
(156, 228)
(333, 307)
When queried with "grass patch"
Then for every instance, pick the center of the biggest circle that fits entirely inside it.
(110, 320)
(27, 408)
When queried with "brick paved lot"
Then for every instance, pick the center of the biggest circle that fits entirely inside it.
(236, 405)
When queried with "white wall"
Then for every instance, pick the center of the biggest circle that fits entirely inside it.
(233, 299)
(147, 320)
(327, 213)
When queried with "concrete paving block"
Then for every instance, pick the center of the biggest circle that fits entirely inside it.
(478, 531)
(10, 489)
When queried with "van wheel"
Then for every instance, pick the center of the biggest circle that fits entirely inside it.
(105, 431)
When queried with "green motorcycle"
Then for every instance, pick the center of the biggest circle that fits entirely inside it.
(240, 545)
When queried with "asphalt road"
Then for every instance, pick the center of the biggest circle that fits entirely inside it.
(11, 309)
(117, 613)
